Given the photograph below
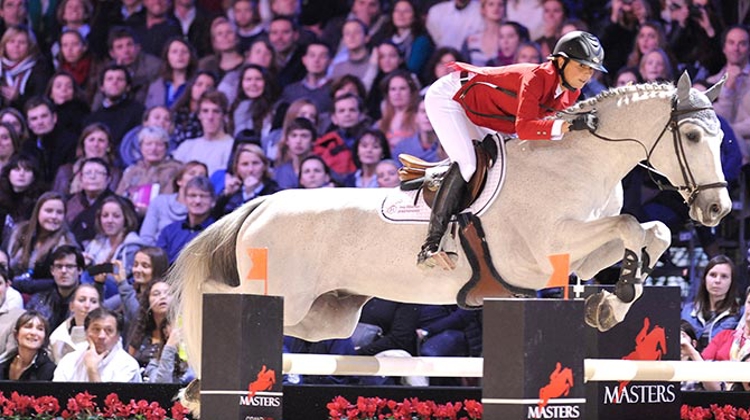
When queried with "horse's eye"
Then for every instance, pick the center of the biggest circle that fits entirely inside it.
(693, 135)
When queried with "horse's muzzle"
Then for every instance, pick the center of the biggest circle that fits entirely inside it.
(710, 206)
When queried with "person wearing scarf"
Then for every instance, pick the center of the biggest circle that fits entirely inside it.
(24, 72)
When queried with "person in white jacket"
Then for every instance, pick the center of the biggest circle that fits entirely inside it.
(70, 335)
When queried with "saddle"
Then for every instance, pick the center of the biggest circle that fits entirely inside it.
(427, 176)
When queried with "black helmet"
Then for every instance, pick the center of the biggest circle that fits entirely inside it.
(582, 47)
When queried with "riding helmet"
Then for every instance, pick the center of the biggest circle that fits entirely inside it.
(582, 47)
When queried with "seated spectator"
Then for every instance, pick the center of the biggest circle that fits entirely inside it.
(512, 35)
(246, 18)
(154, 25)
(130, 149)
(252, 110)
(650, 37)
(301, 108)
(359, 62)
(387, 173)
(226, 56)
(118, 111)
(627, 76)
(75, 59)
(10, 143)
(30, 361)
(8, 315)
(20, 186)
(478, 47)
(249, 177)
(437, 65)
(73, 15)
(167, 208)
(94, 142)
(450, 22)
(105, 360)
(406, 30)
(370, 148)
(400, 106)
(424, 144)
(655, 67)
(70, 335)
(148, 341)
(731, 344)
(50, 144)
(529, 52)
(284, 36)
(195, 23)
(25, 70)
(554, 14)
(16, 120)
(151, 175)
(185, 110)
(261, 54)
(32, 242)
(179, 64)
(13, 298)
(314, 173)
(715, 307)
(295, 145)
(214, 147)
(70, 103)
(315, 85)
(81, 213)
(389, 60)
(200, 198)
(67, 266)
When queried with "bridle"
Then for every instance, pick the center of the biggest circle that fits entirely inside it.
(689, 185)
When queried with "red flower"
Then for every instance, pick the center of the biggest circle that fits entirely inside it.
(21, 403)
(178, 411)
(46, 405)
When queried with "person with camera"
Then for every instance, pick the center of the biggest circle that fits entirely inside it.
(693, 37)
(621, 29)
(67, 266)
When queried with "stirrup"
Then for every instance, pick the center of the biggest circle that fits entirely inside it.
(428, 259)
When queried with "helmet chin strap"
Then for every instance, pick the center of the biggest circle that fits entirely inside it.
(561, 72)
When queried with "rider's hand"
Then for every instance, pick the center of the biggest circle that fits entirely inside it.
(585, 122)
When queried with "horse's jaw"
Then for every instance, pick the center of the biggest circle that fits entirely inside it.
(710, 206)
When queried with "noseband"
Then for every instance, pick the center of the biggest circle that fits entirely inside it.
(689, 185)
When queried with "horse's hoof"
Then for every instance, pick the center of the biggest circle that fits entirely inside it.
(591, 309)
(625, 291)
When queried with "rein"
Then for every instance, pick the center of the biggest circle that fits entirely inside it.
(689, 186)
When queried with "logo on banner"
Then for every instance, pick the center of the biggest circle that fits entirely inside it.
(560, 383)
(264, 381)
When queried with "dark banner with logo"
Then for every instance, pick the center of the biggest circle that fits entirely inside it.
(650, 331)
(533, 359)
(241, 359)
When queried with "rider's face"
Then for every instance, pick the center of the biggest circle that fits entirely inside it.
(577, 74)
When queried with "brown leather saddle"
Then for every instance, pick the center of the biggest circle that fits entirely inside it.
(427, 176)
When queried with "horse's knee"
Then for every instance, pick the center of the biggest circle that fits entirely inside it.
(630, 229)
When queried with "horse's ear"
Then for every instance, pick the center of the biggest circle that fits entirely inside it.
(714, 91)
(683, 87)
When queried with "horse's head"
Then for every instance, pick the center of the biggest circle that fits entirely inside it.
(688, 153)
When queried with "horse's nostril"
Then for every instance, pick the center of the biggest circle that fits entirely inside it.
(715, 210)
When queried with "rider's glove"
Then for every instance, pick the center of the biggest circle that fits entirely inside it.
(585, 122)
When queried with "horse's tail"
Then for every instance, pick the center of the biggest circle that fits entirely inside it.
(210, 257)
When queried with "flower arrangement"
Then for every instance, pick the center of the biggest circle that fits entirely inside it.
(83, 407)
(375, 408)
(714, 412)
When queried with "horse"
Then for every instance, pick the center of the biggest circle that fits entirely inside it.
(329, 250)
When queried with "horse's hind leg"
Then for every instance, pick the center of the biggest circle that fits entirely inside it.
(332, 315)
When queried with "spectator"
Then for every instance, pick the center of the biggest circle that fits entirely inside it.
(32, 242)
(82, 206)
(51, 144)
(72, 15)
(650, 37)
(67, 266)
(214, 147)
(387, 174)
(399, 108)
(25, 70)
(195, 23)
(316, 84)
(246, 18)
(369, 149)
(424, 144)
(619, 34)
(13, 298)
(437, 66)
(314, 173)
(179, 63)
(15, 118)
(715, 307)
(167, 208)
(300, 108)
(480, 46)
(94, 142)
(512, 35)
(70, 106)
(369, 12)
(528, 52)
(70, 335)
(20, 187)
(283, 34)
(149, 338)
(252, 110)
(75, 59)
(261, 52)
(295, 145)
(30, 360)
(8, 314)
(358, 61)
(118, 111)
(389, 60)
(151, 175)
(337, 146)
(450, 22)
(554, 13)
(13, 13)
(10, 143)
(185, 110)
(200, 197)
(105, 360)
(627, 76)
(689, 41)
(406, 30)
(226, 56)
(155, 117)
(655, 67)
(154, 25)
(249, 177)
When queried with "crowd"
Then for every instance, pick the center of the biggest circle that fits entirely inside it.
(128, 126)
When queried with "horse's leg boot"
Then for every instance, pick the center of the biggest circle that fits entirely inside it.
(447, 202)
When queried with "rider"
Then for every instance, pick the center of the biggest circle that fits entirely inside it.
(515, 99)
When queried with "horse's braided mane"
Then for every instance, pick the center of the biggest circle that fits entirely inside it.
(651, 89)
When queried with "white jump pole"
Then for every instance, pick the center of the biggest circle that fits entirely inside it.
(595, 369)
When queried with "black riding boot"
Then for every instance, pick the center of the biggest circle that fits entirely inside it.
(447, 203)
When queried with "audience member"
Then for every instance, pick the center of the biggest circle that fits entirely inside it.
(105, 360)
(369, 149)
(656, 67)
(295, 145)
(336, 147)
(20, 186)
(314, 173)
(195, 23)
(343, 347)
(387, 174)
(50, 144)
(512, 35)
(424, 144)
(67, 266)
(118, 111)
(252, 110)
(389, 60)
(715, 307)
(75, 59)
(130, 148)
(71, 105)
(482, 45)
(10, 143)
(13, 298)
(226, 56)
(315, 85)
(450, 22)
(25, 70)
(8, 315)
(70, 335)
(167, 208)
(30, 361)
(300, 108)
(249, 177)
(369, 12)
(185, 110)
(406, 30)
(399, 107)
(554, 13)
(247, 20)
(94, 142)
(619, 34)
(82, 206)
(627, 76)
(358, 62)
(154, 25)
(689, 41)
(283, 34)
(16, 119)
(178, 64)
(200, 199)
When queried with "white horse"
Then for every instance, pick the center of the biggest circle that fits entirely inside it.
(329, 251)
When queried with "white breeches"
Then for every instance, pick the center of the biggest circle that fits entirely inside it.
(453, 128)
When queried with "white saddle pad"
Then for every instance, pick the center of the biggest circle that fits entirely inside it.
(400, 206)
